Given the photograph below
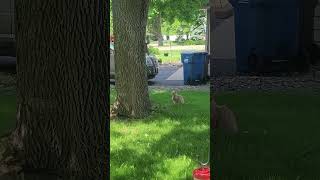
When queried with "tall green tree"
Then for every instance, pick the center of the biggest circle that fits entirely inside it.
(62, 87)
(186, 12)
(129, 23)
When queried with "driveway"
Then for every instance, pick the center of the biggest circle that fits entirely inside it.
(169, 75)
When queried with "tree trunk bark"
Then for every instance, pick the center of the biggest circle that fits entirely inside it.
(159, 30)
(130, 66)
(63, 87)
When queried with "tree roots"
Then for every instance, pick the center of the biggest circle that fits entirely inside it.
(11, 159)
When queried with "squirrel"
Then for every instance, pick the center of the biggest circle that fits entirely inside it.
(177, 99)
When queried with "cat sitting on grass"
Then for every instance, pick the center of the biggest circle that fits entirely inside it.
(223, 118)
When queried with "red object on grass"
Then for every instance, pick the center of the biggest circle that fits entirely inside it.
(202, 173)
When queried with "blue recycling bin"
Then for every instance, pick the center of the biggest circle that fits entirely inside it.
(195, 67)
(266, 28)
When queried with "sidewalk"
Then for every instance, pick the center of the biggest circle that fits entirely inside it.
(178, 75)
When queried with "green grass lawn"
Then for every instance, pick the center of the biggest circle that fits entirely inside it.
(282, 137)
(174, 56)
(7, 111)
(167, 43)
(173, 51)
(164, 145)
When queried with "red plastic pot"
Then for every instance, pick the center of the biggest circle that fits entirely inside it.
(202, 173)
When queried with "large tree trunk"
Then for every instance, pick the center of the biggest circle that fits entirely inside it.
(62, 85)
(131, 75)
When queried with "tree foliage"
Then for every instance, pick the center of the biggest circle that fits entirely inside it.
(176, 16)
(183, 10)
(111, 17)
(182, 27)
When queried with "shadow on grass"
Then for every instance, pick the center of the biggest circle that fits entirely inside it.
(7, 110)
(278, 136)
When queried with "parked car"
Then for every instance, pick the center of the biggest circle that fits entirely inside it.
(152, 65)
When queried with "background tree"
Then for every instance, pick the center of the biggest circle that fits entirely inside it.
(129, 25)
(62, 87)
(169, 12)
(154, 26)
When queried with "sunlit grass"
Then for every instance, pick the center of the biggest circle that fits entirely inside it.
(173, 56)
(164, 145)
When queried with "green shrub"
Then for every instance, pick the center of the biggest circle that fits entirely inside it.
(154, 51)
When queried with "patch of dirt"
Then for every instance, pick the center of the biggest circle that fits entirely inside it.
(205, 87)
(179, 88)
(261, 83)
(177, 64)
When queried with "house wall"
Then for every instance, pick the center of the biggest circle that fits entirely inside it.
(317, 24)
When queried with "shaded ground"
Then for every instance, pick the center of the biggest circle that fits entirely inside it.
(7, 110)
(279, 136)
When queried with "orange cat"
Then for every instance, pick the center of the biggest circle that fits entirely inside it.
(224, 118)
